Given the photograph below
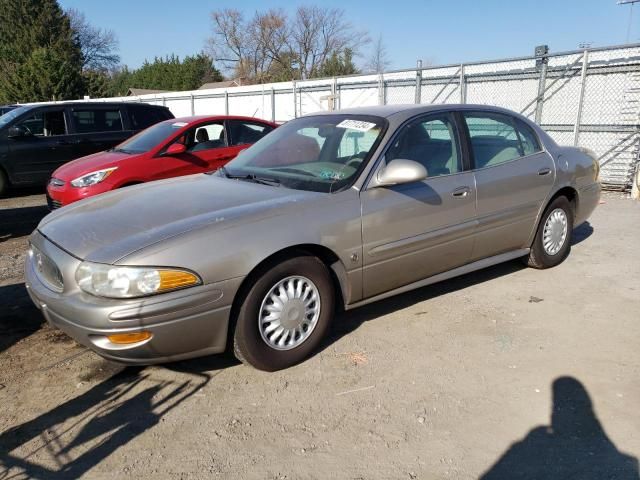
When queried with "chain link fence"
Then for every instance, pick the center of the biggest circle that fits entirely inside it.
(588, 98)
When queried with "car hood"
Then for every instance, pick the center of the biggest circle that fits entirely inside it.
(111, 226)
(90, 163)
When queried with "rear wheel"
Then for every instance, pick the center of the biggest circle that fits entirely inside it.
(285, 314)
(553, 238)
(4, 183)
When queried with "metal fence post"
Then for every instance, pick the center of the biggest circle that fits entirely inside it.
(583, 81)
(418, 98)
(295, 101)
(226, 102)
(273, 105)
(380, 89)
(193, 107)
(334, 94)
(463, 85)
(541, 88)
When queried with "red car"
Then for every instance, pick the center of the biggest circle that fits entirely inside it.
(175, 147)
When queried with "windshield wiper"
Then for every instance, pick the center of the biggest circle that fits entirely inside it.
(251, 177)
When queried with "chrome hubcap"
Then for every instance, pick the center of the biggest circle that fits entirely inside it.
(289, 313)
(555, 231)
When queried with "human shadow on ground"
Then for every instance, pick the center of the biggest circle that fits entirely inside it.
(574, 445)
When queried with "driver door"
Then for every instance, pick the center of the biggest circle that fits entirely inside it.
(207, 150)
(49, 145)
(416, 230)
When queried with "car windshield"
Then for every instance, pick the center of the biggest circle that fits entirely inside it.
(322, 153)
(150, 138)
(10, 115)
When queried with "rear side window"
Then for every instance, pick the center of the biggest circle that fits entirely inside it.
(244, 133)
(495, 139)
(143, 117)
(90, 121)
(528, 138)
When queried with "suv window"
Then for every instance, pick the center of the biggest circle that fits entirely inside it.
(143, 117)
(244, 133)
(87, 121)
(46, 123)
(430, 141)
(495, 139)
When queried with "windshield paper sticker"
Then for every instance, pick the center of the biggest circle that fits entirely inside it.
(356, 125)
(179, 124)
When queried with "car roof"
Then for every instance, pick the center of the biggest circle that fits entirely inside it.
(201, 118)
(387, 111)
(91, 104)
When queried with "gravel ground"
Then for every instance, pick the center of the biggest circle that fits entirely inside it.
(505, 373)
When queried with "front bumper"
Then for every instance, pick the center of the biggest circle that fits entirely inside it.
(184, 324)
(61, 195)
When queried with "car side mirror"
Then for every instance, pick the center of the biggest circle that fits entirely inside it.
(176, 149)
(399, 171)
(18, 131)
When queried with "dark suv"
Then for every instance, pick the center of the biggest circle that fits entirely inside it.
(37, 139)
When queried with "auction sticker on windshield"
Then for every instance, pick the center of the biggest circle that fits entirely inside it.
(179, 124)
(359, 125)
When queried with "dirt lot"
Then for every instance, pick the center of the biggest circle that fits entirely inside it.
(508, 373)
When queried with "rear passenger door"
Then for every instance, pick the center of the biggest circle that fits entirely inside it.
(244, 133)
(96, 128)
(416, 230)
(513, 177)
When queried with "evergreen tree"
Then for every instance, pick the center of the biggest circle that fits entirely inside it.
(40, 56)
(339, 64)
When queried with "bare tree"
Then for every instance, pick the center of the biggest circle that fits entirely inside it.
(318, 33)
(271, 46)
(98, 46)
(378, 61)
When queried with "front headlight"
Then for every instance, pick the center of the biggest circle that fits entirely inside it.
(92, 178)
(130, 282)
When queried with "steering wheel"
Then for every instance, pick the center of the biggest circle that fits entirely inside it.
(355, 160)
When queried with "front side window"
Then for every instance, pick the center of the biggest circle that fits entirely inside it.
(45, 124)
(321, 153)
(495, 139)
(246, 133)
(90, 121)
(430, 141)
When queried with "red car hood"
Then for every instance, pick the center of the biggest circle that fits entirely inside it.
(90, 163)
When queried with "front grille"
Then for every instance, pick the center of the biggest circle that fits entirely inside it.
(53, 204)
(46, 270)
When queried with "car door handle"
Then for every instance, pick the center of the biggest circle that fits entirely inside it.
(461, 192)
(544, 171)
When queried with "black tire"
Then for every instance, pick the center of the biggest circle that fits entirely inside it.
(4, 183)
(538, 257)
(248, 345)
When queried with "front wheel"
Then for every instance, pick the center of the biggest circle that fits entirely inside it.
(553, 238)
(285, 314)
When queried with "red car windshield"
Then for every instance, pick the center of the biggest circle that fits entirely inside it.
(150, 138)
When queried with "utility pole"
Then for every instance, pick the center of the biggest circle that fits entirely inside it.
(630, 2)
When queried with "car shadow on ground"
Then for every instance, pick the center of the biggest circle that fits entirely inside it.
(574, 445)
(21, 221)
(19, 317)
(72, 438)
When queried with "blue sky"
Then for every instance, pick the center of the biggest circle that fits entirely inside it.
(441, 31)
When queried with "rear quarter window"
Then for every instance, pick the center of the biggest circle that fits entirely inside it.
(143, 117)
